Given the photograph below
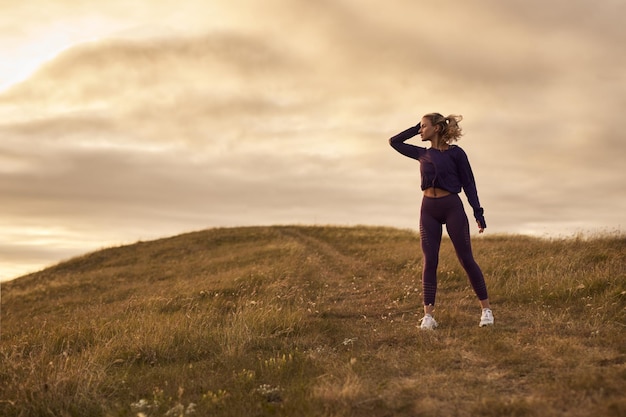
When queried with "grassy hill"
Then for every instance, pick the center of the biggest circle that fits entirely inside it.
(317, 321)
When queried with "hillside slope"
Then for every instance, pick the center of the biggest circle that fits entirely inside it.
(320, 321)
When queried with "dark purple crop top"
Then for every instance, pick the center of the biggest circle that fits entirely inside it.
(449, 170)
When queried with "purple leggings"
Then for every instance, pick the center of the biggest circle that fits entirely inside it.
(434, 213)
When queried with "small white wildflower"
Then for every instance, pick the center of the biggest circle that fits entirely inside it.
(191, 409)
(347, 341)
(175, 411)
(271, 394)
(140, 405)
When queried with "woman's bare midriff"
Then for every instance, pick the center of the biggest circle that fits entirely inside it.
(434, 192)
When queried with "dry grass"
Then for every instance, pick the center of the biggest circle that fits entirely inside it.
(316, 321)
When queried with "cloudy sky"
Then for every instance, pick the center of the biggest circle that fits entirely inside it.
(131, 120)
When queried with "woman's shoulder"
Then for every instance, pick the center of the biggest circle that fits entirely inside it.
(457, 152)
(456, 149)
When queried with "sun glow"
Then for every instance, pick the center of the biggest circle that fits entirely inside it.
(24, 54)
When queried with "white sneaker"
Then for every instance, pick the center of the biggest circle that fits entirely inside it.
(486, 318)
(428, 322)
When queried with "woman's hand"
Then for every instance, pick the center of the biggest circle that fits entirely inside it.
(480, 228)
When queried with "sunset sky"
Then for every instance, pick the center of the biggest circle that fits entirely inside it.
(131, 120)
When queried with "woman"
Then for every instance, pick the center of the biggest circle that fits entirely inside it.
(445, 169)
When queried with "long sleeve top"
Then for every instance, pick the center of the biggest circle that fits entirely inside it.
(449, 170)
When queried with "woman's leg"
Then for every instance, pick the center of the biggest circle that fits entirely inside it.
(430, 237)
(457, 226)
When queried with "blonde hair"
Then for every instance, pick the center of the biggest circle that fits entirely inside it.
(449, 128)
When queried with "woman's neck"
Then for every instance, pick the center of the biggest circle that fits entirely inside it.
(439, 144)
